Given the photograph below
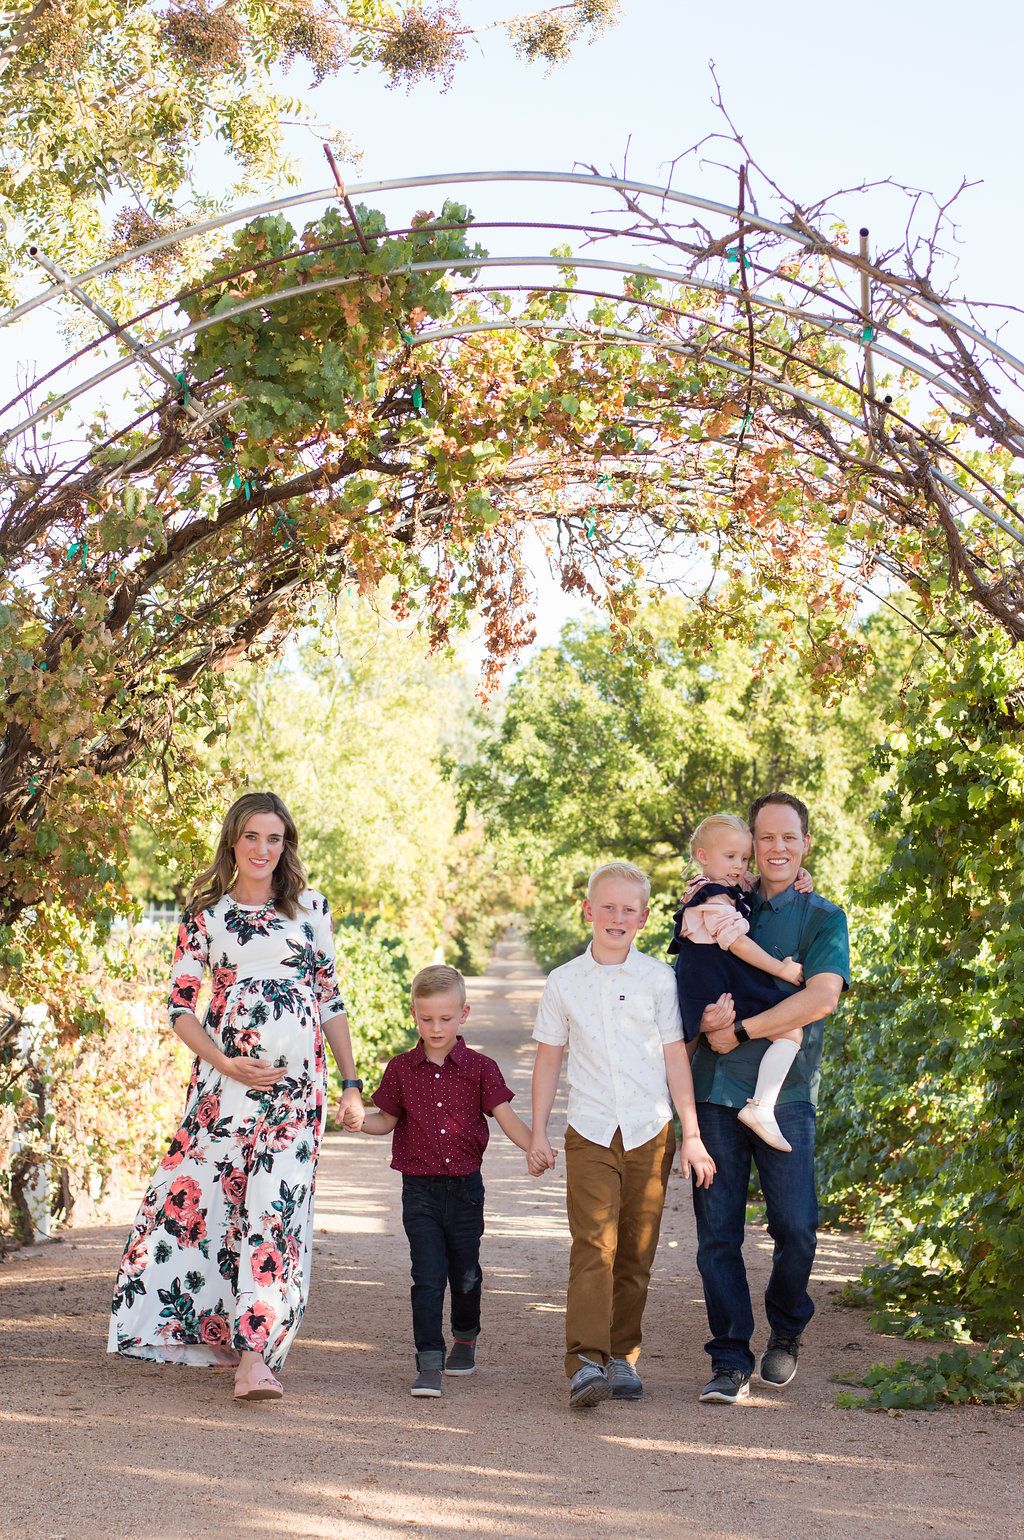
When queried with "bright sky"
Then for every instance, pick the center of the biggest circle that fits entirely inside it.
(926, 94)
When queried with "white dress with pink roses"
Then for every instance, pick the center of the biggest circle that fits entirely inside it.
(218, 1260)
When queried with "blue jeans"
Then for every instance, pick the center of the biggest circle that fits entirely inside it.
(787, 1182)
(444, 1220)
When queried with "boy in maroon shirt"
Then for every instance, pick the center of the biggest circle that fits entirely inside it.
(437, 1098)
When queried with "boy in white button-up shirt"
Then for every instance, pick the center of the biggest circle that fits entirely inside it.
(618, 1012)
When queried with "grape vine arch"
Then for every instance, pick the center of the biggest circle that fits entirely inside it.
(811, 414)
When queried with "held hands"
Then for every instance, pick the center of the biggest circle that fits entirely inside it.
(351, 1113)
(791, 971)
(694, 1158)
(716, 1024)
(540, 1156)
(720, 1013)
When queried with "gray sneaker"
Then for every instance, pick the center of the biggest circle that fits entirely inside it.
(625, 1382)
(427, 1383)
(461, 1359)
(589, 1385)
(726, 1385)
(778, 1362)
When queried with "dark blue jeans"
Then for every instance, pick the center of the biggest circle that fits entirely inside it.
(787, 1182)
(444, 1220)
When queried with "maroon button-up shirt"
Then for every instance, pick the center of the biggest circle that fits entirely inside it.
(442, 1128)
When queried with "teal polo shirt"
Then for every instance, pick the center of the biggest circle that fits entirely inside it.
(813, 930)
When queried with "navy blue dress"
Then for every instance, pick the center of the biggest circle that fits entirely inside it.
(703, 971)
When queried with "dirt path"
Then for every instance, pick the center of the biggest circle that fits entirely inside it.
(98, 1449)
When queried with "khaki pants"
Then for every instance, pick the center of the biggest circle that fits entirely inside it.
(615, 1199)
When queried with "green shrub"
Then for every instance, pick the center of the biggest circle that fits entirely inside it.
(375, 976)
(921, 1132)
(992, 1377)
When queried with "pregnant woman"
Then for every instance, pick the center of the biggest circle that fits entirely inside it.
(216, 1269)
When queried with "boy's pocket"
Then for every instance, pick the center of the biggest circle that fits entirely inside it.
(472, 1190)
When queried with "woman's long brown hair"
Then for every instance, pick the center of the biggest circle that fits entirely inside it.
(289, 876)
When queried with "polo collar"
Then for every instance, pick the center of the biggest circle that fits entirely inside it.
(458, 1056)
(780, 901)
(629, 962)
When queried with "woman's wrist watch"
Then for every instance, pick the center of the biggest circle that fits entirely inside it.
(352, 1085)
(742, 1035)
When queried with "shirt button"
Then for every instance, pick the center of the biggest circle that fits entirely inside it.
(447, 1161)
(444, 1130)
(439, 1104)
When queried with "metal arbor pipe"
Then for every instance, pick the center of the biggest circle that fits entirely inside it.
(264, 301)
(463, 178)
(602, 264)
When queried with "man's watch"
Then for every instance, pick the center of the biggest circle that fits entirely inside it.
(742, 1035)
(352, 1085)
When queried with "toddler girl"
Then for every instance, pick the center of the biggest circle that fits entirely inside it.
(716, 956)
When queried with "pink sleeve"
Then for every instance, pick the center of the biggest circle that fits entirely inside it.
(711, 923)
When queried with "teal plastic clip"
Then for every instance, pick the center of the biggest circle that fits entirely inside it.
(868, 334)
(284, 524)
(417, 397)
(183, 382)
(734, 254)
(590, 526)
(237, 482)
(79, 546)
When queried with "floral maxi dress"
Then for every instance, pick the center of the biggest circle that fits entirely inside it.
(218, 1259)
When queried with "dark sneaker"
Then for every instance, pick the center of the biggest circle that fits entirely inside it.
(461, 1359)
(726, 1385)
(625, 1382)
(427, 1383)
(589, 1385)
(778, 1362)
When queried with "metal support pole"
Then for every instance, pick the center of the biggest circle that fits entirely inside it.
(140, 350)
(346, 200)
(865, 310)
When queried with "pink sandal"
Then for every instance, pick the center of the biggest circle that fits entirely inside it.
(259, 1384)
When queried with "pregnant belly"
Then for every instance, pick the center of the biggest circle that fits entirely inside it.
(271, 1019)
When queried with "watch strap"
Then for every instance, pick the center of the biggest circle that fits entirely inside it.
(742, 1035)
(351, 1085)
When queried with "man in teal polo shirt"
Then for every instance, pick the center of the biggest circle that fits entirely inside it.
(813, 930)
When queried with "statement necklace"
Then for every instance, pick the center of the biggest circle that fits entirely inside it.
(251, 912)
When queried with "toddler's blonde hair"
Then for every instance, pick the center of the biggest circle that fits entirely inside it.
(708, 826)
(438, 979)
(624, 869)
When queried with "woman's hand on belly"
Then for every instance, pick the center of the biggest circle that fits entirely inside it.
(257, 1074)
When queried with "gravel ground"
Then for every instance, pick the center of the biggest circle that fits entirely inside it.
(97, 1447)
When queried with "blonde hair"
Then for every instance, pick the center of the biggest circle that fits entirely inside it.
(624, 870)
(708, 826)
(289, 877)
(438, 979)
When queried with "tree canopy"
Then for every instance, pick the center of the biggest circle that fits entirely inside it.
(106, 103)
(597, 757)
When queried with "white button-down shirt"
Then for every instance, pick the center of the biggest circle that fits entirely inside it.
(616, 1020)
